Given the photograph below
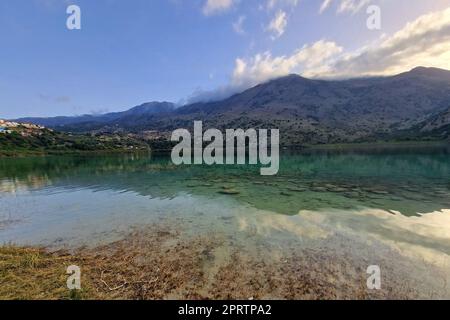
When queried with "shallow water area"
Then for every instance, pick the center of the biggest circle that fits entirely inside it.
(373, 207)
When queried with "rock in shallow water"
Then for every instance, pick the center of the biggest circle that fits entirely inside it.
(297, 189)
(229, 191)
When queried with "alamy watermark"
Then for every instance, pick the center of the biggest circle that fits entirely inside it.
(374, 280)
(73, 22)
(74, 279)
(236, 146)
(374, 20)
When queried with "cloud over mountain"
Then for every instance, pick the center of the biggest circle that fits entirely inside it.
(425, 41)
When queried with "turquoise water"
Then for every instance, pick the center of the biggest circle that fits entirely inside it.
(388, 206)
(67, 199)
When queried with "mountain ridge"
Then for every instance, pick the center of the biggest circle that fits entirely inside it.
(145, 108)
(305, 110)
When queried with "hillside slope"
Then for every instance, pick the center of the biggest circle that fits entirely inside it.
(414, 103)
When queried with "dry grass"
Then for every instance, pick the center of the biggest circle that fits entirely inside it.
(33, 273)
(162, 264)
(139, 267)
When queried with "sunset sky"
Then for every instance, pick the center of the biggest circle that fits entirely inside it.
(130, 52)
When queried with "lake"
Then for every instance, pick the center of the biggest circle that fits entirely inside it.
(376, 204)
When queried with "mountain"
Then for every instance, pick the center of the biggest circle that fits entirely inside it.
(413, 104)
(437, 126)
(318, 111)
(149, 108)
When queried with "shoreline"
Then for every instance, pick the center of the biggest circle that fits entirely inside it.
(159, 262)
(385, 144)
(306, 147)
(47, 153)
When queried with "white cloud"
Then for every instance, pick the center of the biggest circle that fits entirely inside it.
(345, 6)
(325, 5)
(423, 42)
(238, 25)
(352, 6)
(271, 4)
(278, 24)
(263, 67)
(212, 7)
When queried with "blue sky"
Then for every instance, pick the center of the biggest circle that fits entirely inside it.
(130, 52)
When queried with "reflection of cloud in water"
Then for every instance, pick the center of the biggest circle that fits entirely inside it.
(426, 237)
(267, 224)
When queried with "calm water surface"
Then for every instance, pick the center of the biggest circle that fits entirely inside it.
(397, 196)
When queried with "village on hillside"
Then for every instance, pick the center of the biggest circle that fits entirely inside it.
(24, 129)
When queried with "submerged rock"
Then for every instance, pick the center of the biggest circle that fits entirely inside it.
(229, 191)
(353, 195)
(319, 189)
(381, 192)
(337, 189)
(297, 189)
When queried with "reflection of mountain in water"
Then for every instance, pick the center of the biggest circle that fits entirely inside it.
(408, 180)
